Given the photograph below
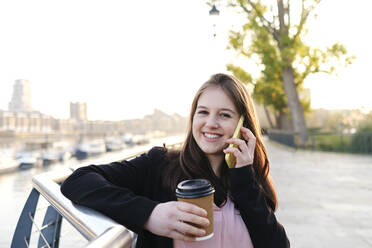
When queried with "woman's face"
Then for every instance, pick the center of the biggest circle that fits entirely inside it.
(214, 121)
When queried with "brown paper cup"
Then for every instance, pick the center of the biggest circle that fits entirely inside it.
(201, 193)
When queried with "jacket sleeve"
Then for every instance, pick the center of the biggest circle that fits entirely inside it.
(264, 229)
(116, 189)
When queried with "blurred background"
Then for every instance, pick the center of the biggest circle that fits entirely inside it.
(82, 80)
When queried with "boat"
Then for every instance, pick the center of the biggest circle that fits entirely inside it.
(57, 152)
(128, 140)
(113, 144)
(28, 159)
(50, 156)
(64, 150)
(88, 149)
(140, 139)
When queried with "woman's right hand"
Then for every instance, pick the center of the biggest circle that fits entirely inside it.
(169, 219)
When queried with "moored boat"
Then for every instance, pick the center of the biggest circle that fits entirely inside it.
(50, 156)
(92, 148)
(114, 144)
(28, 159)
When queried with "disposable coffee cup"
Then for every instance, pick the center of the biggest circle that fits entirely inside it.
(199, 192)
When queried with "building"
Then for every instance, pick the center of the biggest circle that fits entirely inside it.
(78, 111)
(31, 122)
(21, 98)
(7, 121)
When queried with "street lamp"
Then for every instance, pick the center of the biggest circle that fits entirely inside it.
(214, 12)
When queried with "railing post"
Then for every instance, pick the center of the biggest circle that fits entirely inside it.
(50, 234)
(21, 237)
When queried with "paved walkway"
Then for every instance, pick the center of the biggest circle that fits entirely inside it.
(325, 199)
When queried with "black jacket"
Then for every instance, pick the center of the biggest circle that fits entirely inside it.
(128, 191)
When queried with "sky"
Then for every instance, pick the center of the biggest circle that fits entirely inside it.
(126, 58)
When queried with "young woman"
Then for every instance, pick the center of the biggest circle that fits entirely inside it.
(140, 193)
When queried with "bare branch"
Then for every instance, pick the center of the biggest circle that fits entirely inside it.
(309, 70)
(267, 24)
(289, 14)
(281, 12)
(304, 15)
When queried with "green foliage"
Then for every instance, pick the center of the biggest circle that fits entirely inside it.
(330, 142)
(241, 74)
(276, 48)
(362, 140)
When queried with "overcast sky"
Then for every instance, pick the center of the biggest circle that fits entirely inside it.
(125, 58)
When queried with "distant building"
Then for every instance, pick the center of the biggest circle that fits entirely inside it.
(21, 98)
(78, 111)
(25, 122)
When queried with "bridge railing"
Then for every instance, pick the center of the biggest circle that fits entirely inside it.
(98, 229)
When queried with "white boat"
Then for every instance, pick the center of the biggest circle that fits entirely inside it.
(92, 148)
(114, 144)
(128, 140)
(27, 159)
(140, 139)
(58, 152)
(50, 156)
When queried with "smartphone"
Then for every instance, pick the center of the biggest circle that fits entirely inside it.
(229, 157)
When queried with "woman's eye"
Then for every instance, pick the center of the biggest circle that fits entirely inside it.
(224, 115)
(203, 112)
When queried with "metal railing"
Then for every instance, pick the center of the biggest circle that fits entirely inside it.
(98, 229)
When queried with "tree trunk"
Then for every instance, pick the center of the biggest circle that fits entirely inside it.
(294, 104)
(267, 113)
(283, 121)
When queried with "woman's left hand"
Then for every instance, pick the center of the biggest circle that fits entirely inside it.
(244, 152)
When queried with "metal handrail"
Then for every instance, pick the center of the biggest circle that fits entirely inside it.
(97, 228)
(79, 216)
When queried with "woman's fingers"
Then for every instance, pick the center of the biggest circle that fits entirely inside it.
(235, 151)
(195, 219)
(244, 152)
(191, 208)
(191, 219)
(188, 229)
(193, 214)
(240, 143)
(249, 137)
(251, 140)
(178, 220)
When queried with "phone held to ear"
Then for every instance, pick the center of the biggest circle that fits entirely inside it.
(229, 157)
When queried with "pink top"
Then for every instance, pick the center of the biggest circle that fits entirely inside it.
(229, 230)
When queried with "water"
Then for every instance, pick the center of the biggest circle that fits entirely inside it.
(15, 188)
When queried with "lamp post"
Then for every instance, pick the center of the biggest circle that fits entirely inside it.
(214, 12)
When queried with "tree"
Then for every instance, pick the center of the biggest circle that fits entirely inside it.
(271, 36)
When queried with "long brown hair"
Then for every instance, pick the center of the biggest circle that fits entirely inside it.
(191, 162)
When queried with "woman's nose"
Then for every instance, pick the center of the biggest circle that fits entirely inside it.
(212, 122)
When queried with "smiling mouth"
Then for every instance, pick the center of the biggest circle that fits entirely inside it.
(211, 136)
